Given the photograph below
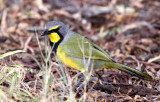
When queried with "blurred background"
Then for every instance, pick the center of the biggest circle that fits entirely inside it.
(129, 30)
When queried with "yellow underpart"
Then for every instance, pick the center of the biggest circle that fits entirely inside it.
(67, 61)
(54, 37)
(53, 28)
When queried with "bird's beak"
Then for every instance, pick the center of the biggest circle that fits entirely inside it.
(45, 32)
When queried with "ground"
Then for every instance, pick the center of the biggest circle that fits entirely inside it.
(129, 31)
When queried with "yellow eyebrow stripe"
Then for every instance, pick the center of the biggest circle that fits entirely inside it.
(53, 28)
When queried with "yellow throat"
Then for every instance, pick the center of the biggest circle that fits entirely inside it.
(54, 37)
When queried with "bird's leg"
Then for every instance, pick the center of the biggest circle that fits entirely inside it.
(81, 85)
(87, 79)
(95, 79)
(79, 81)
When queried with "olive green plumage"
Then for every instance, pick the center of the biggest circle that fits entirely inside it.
(79, 53)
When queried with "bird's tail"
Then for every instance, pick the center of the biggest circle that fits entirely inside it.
(128, 70)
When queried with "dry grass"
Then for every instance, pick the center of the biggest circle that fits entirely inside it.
(51, 88)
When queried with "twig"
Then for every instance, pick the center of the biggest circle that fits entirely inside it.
(4, 23)
(138, 24)
(26, 45)
(138, 63)
(154, 59)
(146, 63)
(126, 89)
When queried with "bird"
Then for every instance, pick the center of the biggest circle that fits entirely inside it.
(77, 52)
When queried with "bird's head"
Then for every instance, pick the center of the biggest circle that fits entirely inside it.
(55, 30)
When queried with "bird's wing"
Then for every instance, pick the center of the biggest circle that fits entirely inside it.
(80, 47)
